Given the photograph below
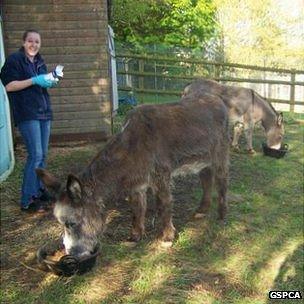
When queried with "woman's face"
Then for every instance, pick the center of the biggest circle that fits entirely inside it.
(32, 44)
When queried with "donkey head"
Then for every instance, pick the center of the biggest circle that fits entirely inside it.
(275, 133)
(76, 211)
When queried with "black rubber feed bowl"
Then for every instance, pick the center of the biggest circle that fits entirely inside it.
(273, 152)
(67, 265)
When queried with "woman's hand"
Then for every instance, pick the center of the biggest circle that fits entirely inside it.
(42, 81)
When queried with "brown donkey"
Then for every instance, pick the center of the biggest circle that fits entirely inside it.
(246, 108)
(157, 143)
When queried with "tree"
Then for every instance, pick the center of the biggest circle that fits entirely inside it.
(262, 32)
(186, 23)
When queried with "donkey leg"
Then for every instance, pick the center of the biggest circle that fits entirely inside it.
(138, 202)
(248, 134)
(206, 177)
(237, 131)
(248, 129)
(164, 202)
(222, 185)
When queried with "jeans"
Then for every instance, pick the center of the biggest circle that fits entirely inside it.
(35, 134)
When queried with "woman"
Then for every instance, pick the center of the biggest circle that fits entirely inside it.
(24, 77)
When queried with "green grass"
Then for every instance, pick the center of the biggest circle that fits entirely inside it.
(260, 249)
(144, 98)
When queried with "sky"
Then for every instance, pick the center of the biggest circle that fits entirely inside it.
(293, 9)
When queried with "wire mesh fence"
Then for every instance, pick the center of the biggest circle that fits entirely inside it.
(158, 75)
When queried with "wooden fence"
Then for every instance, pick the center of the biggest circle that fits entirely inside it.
(171, 74)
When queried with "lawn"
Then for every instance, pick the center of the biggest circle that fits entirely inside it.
(260, 249)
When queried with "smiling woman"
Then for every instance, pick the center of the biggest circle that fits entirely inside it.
(24, 77)
(32, 43)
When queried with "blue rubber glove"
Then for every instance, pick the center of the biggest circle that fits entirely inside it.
(42, 81)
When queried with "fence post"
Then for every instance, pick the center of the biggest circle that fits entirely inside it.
(217, 71)
(141, 78)
(292, 91)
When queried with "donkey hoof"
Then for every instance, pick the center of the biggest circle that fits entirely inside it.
(134, 239)
(129, 244)
(236, 148)
(251, 151)
(223, 221)
(166, 244)
(199, 215)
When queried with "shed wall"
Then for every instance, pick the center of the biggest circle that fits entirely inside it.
(74, 34)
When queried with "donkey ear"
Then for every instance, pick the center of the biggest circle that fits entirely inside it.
(50, 181)
(280, 119)
(74, 188)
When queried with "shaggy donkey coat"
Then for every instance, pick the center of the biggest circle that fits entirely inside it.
(245, 107)
(156, 143)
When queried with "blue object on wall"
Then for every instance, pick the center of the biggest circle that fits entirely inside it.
(127, 100)
(7, 160)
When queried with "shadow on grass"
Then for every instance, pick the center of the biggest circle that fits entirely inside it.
(290, 275)
(256, 237)
(208, 263)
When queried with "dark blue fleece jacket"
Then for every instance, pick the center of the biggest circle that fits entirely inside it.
(32, 103)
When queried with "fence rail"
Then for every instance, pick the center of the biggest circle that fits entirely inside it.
(193, 60)
(147, 73)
